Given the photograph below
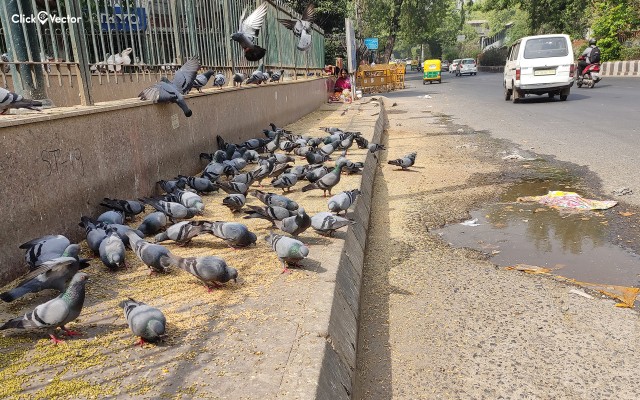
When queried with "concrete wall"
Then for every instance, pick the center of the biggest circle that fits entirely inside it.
(58, 165)
(621, 68)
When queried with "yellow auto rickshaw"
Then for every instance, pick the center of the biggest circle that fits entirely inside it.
(431, 71)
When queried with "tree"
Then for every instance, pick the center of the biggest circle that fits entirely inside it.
(613, 17)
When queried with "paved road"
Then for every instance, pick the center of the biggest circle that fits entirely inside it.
(599, 127)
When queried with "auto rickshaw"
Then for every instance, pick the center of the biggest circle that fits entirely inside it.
(431, 71)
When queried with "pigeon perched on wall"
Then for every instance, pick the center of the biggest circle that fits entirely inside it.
(183, 232)
(258, 76)
(238, 78)
(235, 201)
(112, 250)
(276, 76)
(201, 80)
(47, 248)
(56, 312)
(327, 182)
(296, 224)
(53, 274)
(144, 321)
(326, 223)
(219, 80)
(210, 270)
(302, 27)
(10, 100)
(342, 201)
(128, 207)
(272, 199)
(248, 32)
(153, 223)
(167, 91)
(154, 256)
(234, 234)
(405, 162)
(289, 251)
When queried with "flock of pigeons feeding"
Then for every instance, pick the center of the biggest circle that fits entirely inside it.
(54, 262)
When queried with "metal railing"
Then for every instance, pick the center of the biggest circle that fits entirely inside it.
(84, 44)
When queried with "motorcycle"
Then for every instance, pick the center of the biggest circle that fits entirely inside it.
(590, 75)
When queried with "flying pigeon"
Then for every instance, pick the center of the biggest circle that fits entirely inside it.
(112, 250)
(296, 224)
(272, 199)
(56, 312)
(235, 201)
(405, 162)
(210, 270)
(327, 223)
(327, 182)
(301, 27)
(145, 321)
(167, 91)
(248, 32)
(219, 80)
(128, 207)
(154, 256)
(13, 100)
(153, 223)
(47, 248)
(289, 250)
(201, 80)
(183, 232)
(53, 274)
(234, 234)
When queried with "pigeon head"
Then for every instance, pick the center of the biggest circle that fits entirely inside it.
(154, 330)
(71, 251)
(292, 206)
(233, 274)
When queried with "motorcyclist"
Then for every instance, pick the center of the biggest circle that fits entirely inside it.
(582, 64)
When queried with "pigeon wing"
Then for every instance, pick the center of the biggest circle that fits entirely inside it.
(309, 13)
(184, 77)
(288, 23)
(251, 25)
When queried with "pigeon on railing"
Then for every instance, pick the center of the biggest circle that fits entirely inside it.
(13, 100)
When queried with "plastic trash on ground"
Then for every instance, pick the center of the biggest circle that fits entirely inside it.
(572, 200)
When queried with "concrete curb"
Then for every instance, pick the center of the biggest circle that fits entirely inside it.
(621, 68)
(337, 374)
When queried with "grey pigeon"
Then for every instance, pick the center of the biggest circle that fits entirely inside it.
(219, 80)
(201, 80)
(270, 213)
(187, 199)
(111, 217)
(128, 207)
(112, 250)
(283, 158)
(200, 185)
(210, 270)
(248, 32)
(235, 202)
(314, 157)
(342, 201)
(327, 182)
(233, 187)
(122, 232)
(285, 181)
(47, 248)
(289, 250)
(167, 91)
(247, 178)
(154, 256)
(234, 234)
(272, 199)
(405, 162)
(316, 173)
(288, 146)
(170, 185)
(276, 76)
(53, 274)
(263, 171)
(172, 210)
(95, 234)
(153, 223)
(56, 312)
(375, 147)
(278, 169)
(274, 144)
(13, 100)
(296, 224)
(183, 232)
(238, 78)
(145, 321)
(302, 27)
(362, 142)
(327, 223)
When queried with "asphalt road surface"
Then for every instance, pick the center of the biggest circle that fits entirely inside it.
(598, 128)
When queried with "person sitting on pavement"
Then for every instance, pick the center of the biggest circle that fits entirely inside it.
(343, 82)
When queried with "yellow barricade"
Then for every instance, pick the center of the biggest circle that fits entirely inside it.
(380, 77)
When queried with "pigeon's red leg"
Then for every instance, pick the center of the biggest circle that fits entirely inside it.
(69, 332)
(140, 342)
(55, 340)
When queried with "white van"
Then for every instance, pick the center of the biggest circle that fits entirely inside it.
(538, 65)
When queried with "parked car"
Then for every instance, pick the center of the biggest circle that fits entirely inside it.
(467, 66)
(445, 65)
(454, 65)
(539, 65)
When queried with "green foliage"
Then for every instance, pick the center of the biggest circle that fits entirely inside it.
(493, 57)
(613, 16)
(630, 53)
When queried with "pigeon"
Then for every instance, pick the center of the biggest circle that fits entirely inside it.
(301, 27)
(296, 224)
(248, 32)
(13, 100)
(53, 274)
(276, 76)
(235, 202)
(233, 233)
(342, 201)
(270, 213)
(234, 187)
(154, 256)
(288, 146)
(263, 170)
(285, 181)
(219, 80)
(327, 223)
(258, 76)
(314, 157)
(375, 147)
(187, 199)
(170, 209)
(327, 182)
(47, 248)
(247, 178)
(316, 173)
(278, 169)
(201, 80)
(167, 91)
(283, 158)
(111, 217)
(153, 223)
(56, 312)
(272, 199)
(289, 250)
(145, 321)
(95, 233)
(112, 250)
(171, 185)
(128, 207)
(405, 162)
(211, 270)
(238, 78)
(183, 232)
(362, 142)
(200, 185)
(122, 232)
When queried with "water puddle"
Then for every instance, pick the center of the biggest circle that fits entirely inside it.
(572, 244)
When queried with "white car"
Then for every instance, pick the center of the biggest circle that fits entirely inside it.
(454, 65)
(539, 65)
(467, 66)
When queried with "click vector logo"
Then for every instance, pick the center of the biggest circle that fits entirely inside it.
(43, 17)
